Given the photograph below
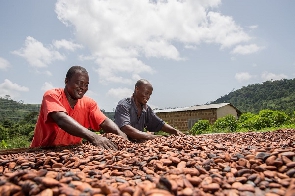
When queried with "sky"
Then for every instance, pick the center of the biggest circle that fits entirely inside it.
(192, 51)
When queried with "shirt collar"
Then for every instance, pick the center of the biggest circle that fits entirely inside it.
(144, 107)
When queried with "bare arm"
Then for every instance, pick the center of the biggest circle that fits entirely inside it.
(72, 127)
(136, 134)
(169, 129)
(110, 127)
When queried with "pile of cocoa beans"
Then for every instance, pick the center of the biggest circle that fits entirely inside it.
(233, 164)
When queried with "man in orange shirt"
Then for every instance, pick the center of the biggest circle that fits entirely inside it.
(66, 115)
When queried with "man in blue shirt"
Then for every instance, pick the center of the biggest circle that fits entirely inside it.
(133, 115)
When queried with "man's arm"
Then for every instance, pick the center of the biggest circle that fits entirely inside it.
(169, 129)
(136, 134)
(110, 127)
(72, 127)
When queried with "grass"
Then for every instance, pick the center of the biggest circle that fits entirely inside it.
(20, 141)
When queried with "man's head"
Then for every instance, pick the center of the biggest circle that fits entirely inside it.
(142, 91)
(76, 82)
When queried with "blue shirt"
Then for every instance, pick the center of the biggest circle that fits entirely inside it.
(126, 114)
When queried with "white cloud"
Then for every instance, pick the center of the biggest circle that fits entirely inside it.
(46, 86)
(136, 77)
(11, 89)
(109, 66)
(223, 30)
(193, 47)
(4, 63)
(91, 93)
(243, 76)
(68, 45)
(266, 76)
(46, 72)
(246, 49)
(120, 92)
(161, 48)
(86, 58)
(127, 30)
(36, 54)
(253, 27)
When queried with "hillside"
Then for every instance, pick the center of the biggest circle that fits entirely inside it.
(16, 110)
(273, 95)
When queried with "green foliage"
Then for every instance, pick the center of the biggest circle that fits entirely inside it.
(273, 95)
(20, 141)
(4, 132)
(200, 127)
(16, 129)
(161, 133)
(16, 110)
(17, 123)
(246, 121)
(266, 119)
(3, 144)
(245, 116)
(225, 124)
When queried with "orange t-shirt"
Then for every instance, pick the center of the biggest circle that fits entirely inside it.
(47, 133)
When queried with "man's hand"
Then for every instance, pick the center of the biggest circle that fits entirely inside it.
(122, 134)
(169, 129)
(103, 142)
(110, 127)
(179, 133)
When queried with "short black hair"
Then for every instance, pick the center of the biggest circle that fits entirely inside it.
(75, 69)
(141, 82)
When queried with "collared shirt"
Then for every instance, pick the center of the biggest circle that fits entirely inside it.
(48, 133)
(126, 114)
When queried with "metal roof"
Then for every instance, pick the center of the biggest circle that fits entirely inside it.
(196, 107)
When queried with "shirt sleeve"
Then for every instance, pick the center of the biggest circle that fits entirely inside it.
(122, 115)
(51, 103)
(154, 124)
(96, 116)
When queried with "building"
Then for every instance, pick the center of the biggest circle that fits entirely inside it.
(184, 118)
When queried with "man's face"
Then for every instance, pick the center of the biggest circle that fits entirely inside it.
(143, 93)
(77, 86)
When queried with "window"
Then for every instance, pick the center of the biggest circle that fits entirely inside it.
(191, 122)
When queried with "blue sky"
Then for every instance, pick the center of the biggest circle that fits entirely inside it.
(192, 51)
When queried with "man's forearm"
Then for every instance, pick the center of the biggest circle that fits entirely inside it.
(72, 127)
(110, 127)
(133, 133)
(168, 129)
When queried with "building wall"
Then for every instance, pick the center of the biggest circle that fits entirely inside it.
(226, 110)
(184, 120)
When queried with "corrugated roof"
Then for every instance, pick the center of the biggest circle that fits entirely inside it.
(172, 109)
(196, 107)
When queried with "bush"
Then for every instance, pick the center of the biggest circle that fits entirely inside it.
(270, 118)
(265, 119)
(200, 127)
(20, 141)
(246, 121)
(245, 117)
(225, 124)
(3, 133)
